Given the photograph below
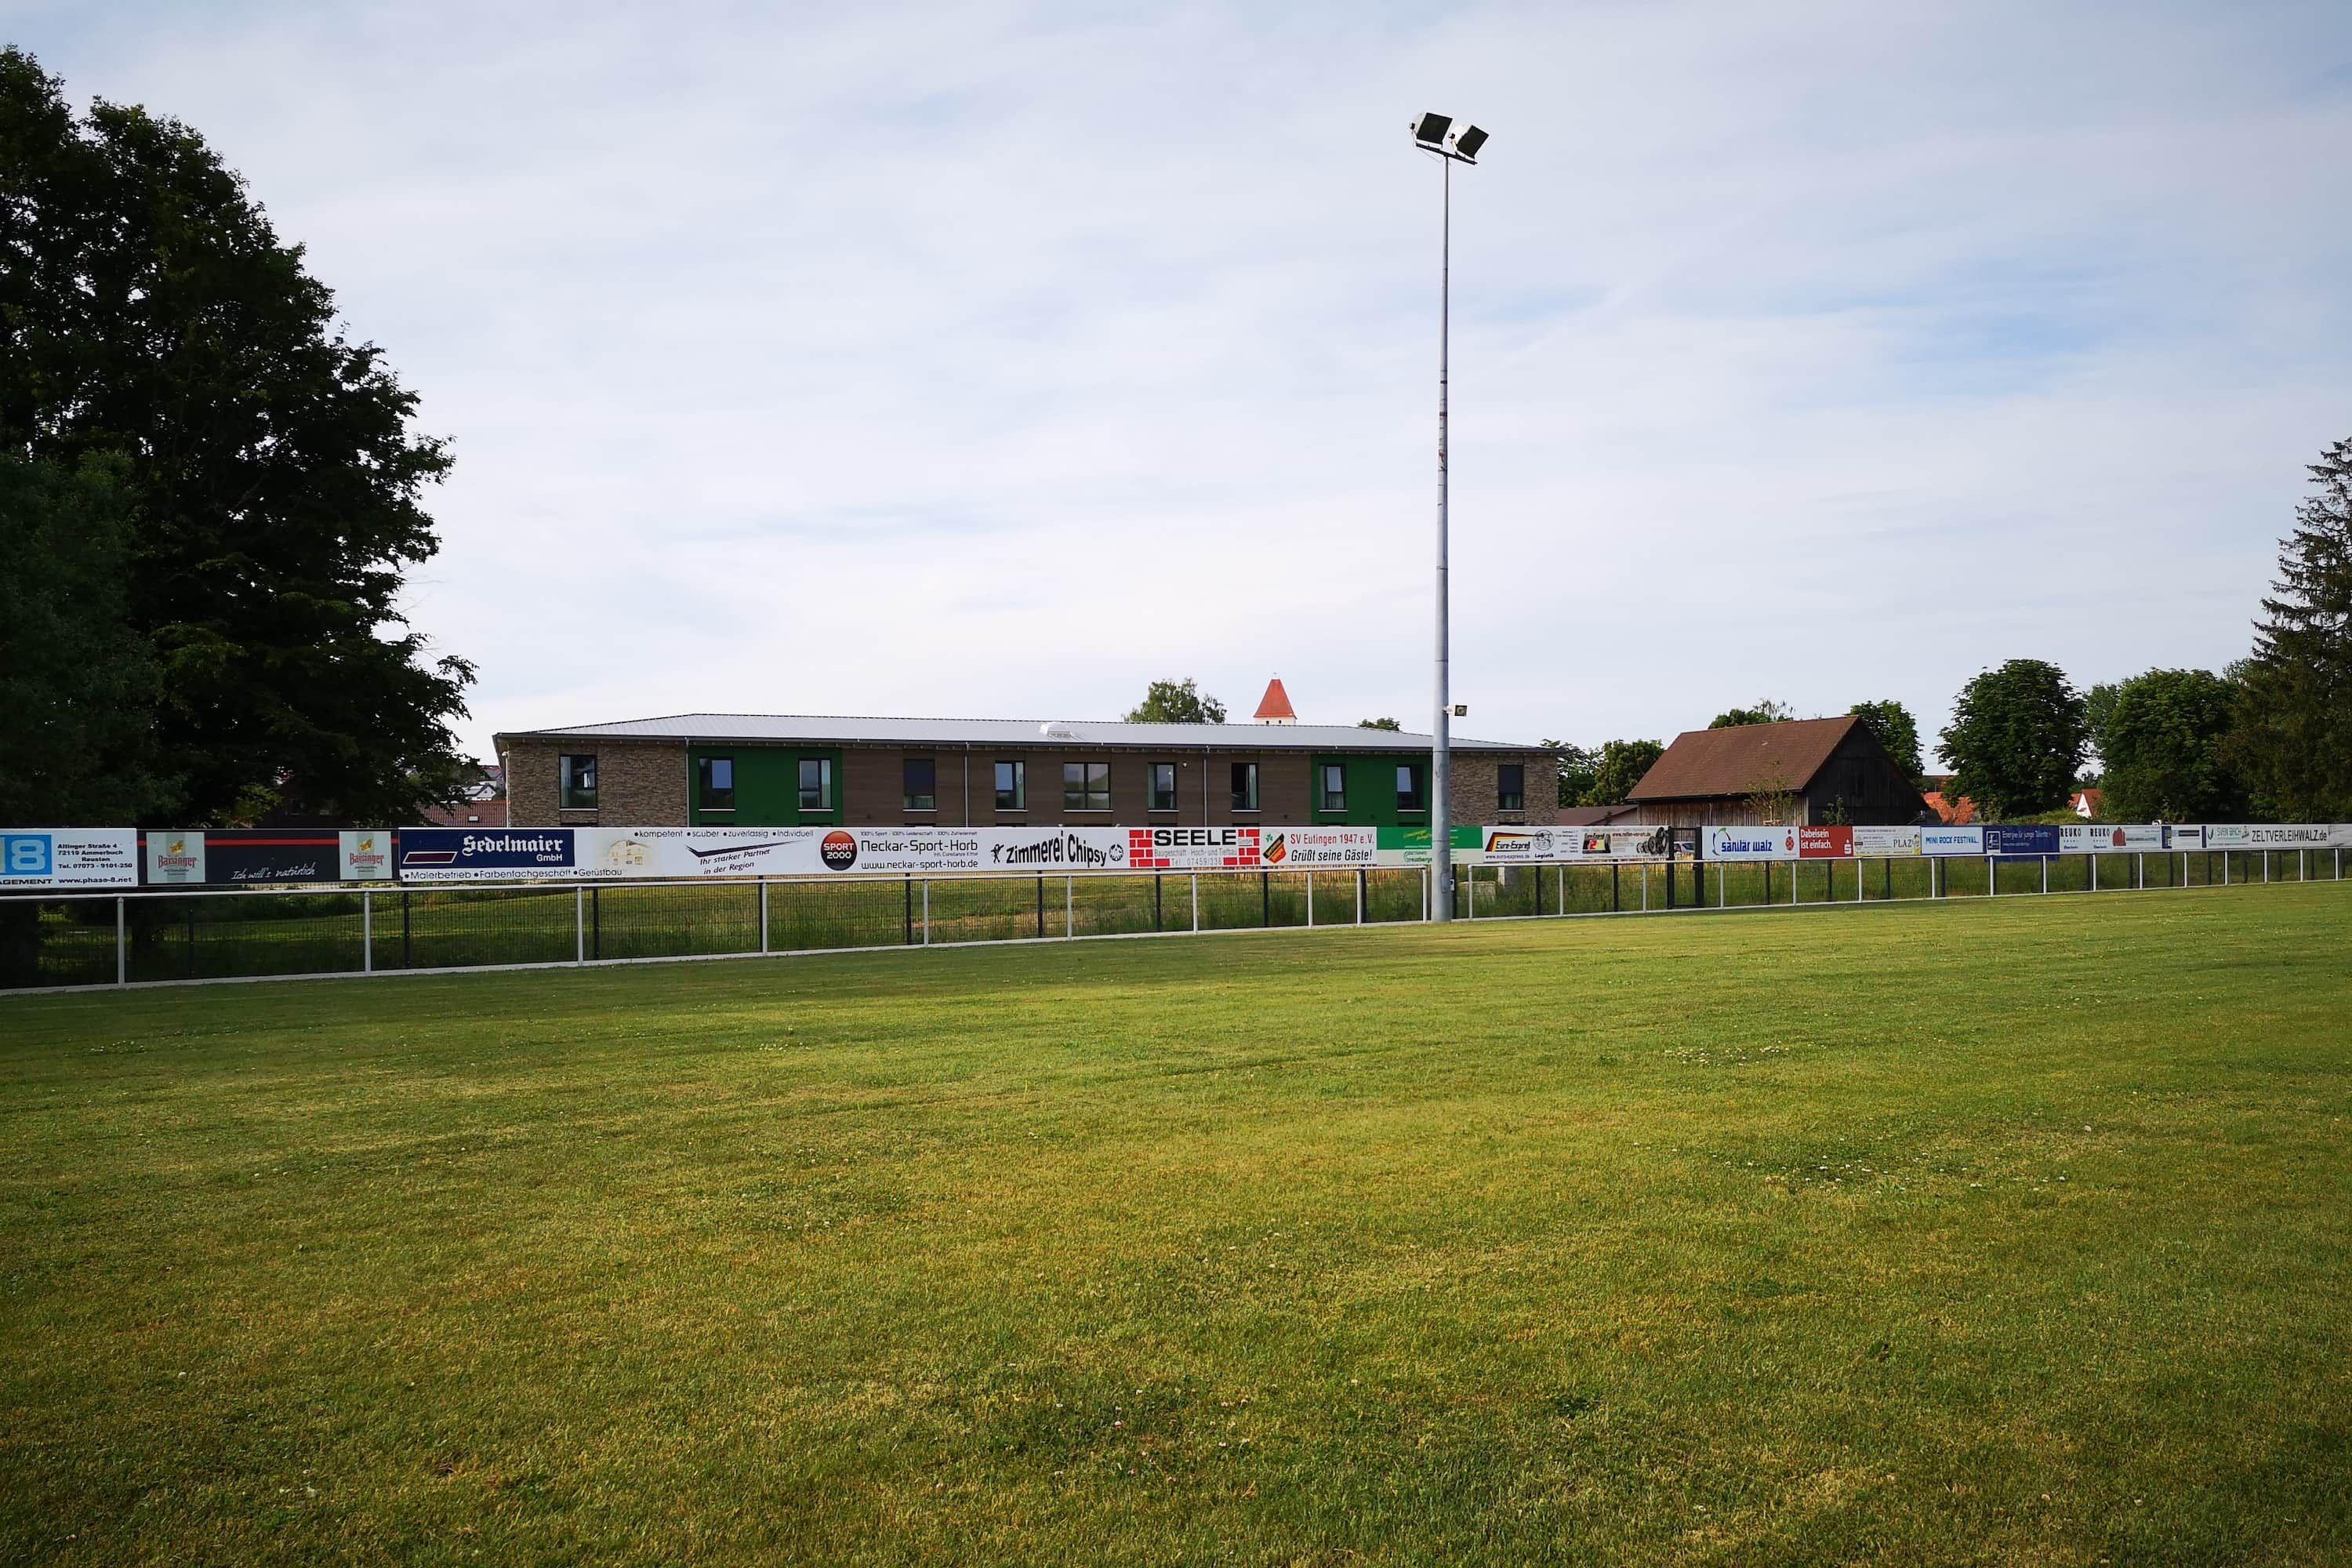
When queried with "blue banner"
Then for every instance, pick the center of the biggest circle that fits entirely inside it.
(483, 854)
(2031, 840)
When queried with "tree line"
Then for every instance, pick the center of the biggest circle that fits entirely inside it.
(2269, 739)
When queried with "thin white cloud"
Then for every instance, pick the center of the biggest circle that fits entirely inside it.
(999, 358)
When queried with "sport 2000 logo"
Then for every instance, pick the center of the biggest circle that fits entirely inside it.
(839, 850)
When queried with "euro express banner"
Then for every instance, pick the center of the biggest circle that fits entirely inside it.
(1553, 845)
(33, 858)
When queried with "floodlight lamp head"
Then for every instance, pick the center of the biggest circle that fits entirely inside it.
(1467, 144)
(1431, 132)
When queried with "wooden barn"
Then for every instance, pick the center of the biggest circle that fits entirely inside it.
(1798, 770)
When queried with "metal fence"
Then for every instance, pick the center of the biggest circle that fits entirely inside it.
(152, 937)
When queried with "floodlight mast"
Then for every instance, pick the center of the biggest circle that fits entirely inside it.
(1434, 134)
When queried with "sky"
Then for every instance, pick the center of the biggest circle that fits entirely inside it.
(995, 360)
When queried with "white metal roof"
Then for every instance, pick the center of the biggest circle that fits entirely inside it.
(1031, 733)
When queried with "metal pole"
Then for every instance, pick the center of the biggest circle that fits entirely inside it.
(367, 931)
(1441, 795)
(121, 951)
(1196, 900)
(579, 925)
(1992, 878)
(1310, 901)
(1361, 877)
(926, 913)
(2045, 873)
(763, 914)
(1069, 906)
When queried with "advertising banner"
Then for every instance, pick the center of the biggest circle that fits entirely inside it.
(366, 854)
(2030, 839)
(1320, 848)
(1951, 841)
(173, 858)
(1751, 844)
(1877, 842)
(1523, 845)
(221, 857)
(69, 857)
(488, 855)
(2106, 839)
(2274, 835)
(1828, 843)
(247, 858)
(1409, 846)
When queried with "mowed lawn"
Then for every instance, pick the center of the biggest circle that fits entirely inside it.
(1992, 1232)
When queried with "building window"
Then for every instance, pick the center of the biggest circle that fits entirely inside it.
(922, 783)
(1086, 786)
(1334, 790)
(1163, 786)
(1012, 786)
(1244, 786)
(1511, 787)
(816, 784)
(717, 783)
(577, 778)
(1412, 786)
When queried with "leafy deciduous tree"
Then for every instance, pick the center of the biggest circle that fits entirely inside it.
(1176, 702)
(1378, 724)
(2160, 736)
(2016, 740)
(1765, 713)
(150, 314)
(1891, 724)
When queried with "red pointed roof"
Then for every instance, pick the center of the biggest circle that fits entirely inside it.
(1275, 703)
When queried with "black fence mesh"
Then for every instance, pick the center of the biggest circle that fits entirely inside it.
(73, 941)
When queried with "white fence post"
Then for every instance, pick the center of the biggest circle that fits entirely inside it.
(1310, 901)
(926, 913)
(1196, 900)
(1360, 897)
(2045, 873)
(367, 930)
(121, 950)
(579, 925)
(763, 914)
(1069, 907)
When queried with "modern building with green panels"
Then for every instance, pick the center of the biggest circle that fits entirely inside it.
(780, 771)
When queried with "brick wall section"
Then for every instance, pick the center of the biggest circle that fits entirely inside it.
(643, 784)
(1475, 777)
(639, 784)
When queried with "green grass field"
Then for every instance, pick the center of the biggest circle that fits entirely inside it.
(1991, 1231)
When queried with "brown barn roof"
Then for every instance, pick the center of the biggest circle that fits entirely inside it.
(1743, 759)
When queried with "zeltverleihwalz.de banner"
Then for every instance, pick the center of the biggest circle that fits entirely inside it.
(33, 858)
(2279, 836)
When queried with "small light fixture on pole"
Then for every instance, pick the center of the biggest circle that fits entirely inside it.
(1434, 134)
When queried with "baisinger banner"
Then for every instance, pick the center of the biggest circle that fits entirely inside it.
(259, 857)
(476, 855)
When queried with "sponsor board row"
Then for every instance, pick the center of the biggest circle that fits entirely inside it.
(471, 854)
(33, 858)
